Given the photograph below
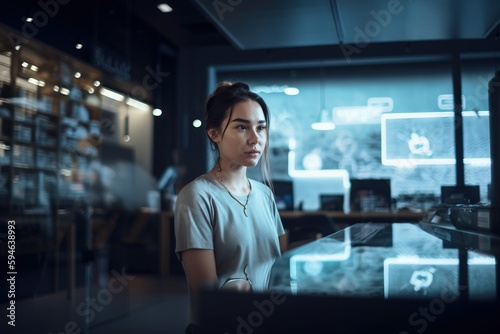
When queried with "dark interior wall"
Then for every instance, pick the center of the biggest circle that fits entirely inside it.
(192, 91)
(164, 126)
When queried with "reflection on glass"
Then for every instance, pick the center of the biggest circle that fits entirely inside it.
(386, 261)
(311, 267)
(481, 276)
(407, 277)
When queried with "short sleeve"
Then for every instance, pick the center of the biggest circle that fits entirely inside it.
(192, 220)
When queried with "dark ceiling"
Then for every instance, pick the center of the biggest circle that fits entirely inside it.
(264, 24)
(261, 24)
(113, 22)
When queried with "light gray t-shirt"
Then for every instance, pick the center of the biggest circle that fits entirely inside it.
(207, 217)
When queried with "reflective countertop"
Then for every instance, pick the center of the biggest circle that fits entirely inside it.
(372, 277)
(386, 261)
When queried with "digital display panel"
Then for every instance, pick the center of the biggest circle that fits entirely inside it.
(427, 138)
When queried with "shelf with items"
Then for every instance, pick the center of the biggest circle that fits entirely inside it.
(23, 155)
(49, 125)
(5, 154)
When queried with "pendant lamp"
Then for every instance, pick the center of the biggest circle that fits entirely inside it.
(126, 133)
(325, 119)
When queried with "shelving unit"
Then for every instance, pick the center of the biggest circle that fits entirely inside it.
(50, 111)
(49, 128)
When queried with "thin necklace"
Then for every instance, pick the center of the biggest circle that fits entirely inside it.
(237, 200)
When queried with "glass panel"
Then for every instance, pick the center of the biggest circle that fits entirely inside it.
(389, 261)
(65, 251)
(475, 78)
(359, 99)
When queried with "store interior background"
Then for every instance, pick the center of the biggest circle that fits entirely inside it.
(358, 66)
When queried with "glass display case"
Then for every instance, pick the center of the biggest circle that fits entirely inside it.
(386, 261)
(390, 278)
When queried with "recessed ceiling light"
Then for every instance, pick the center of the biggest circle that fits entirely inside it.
(164, 8)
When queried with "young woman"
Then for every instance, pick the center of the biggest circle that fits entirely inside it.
(227, 226)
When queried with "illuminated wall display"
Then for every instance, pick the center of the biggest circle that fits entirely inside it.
(427, 138)
(391, 121)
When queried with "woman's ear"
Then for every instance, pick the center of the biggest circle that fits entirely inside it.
(213, 135)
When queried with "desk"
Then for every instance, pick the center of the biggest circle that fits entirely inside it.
(346, 219)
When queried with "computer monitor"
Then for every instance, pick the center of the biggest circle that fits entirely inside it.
(468, 194)
(283, 194)
(331, 202)
(315, 192)
(370, 195)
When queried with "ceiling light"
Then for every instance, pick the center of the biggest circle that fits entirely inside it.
(29, 16)
(126, 135)
(78, 75)
(325, 121)
(164, 8)
(78, 46)
(36, 82)
(33, 81)
(291, 91)
(137, 104)
(112, 95)
(157, 112)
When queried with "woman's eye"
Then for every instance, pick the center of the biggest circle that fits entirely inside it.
(241, 127)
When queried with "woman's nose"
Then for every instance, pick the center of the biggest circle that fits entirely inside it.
(253, 137)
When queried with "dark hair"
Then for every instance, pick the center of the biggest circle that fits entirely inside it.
(220, 105)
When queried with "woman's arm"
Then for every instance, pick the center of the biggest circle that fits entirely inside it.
(199, 266)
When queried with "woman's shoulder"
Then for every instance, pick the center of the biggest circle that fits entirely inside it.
(200, 185)
(257, 185)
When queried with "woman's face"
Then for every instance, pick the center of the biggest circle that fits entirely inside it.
(245, 137)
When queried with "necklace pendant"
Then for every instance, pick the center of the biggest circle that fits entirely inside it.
(233, 197)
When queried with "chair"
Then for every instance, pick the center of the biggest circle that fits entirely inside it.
(307, 228)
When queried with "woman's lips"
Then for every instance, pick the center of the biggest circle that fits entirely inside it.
(253, 153)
